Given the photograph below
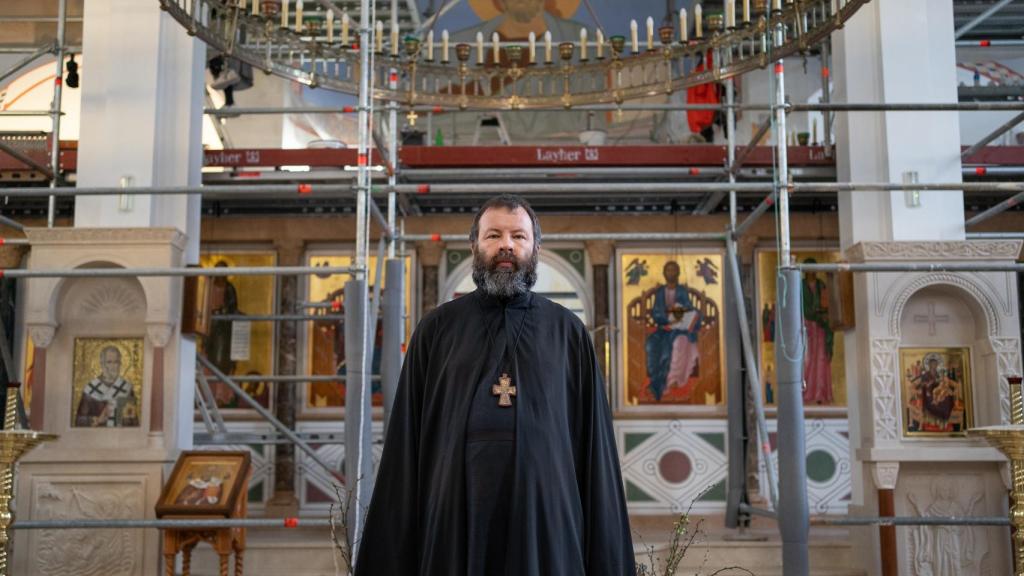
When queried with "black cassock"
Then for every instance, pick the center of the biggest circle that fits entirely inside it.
(541, 478)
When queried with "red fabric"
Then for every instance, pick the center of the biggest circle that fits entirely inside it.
(699, 120)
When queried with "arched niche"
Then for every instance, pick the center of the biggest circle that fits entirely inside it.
(944, 315)
(556, 279)
(105, 311)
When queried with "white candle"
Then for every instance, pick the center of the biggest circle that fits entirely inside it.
(394, 38)
(684, 27)
(298, 16)
(650, 33)
(547, 47)
(583, 43)
(496, 43)
(533, 48)
(444, 46)
(698, 21)
(284, 13)
(777, 5)
(379, 36)
(730, 14)
(600, 44)
(344, 28)
(746, 11)
(330, 26)
(835, 7)
(479, 47)
(634, 43)
(430, 46)
(255, 7)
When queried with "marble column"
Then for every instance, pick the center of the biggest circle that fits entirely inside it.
(904, 52)
(429, 256)
(284, 501)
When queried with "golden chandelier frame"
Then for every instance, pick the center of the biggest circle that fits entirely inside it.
(488, 74)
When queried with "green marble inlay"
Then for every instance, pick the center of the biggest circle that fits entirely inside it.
(453, 258)
(634, 439)
(716, 439)
(715, 494)
(635, 494)
(821, 466)
(575, 258)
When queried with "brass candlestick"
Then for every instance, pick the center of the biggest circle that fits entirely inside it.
(14, 444)
(1010, 441)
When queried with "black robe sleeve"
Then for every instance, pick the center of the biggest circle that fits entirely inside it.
(607, 541)
(389, 545)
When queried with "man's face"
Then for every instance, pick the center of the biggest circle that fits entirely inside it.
(504, 256)
(522, 10)
(110, 365)
(672, 273)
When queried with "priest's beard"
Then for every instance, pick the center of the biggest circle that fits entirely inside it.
(502, 283)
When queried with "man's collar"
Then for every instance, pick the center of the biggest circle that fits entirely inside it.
(519, 301)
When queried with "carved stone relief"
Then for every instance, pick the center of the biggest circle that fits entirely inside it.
(884, 372)
(972, 250)
(87, 552)
(947, 550)
(985, 296)
(104, 299)
(42, 334)
(885, 474)
(1007, 352)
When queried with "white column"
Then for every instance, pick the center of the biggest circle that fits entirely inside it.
(897, 51)
(141, 124)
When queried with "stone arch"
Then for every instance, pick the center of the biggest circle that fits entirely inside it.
(58, 287)
(979, 297)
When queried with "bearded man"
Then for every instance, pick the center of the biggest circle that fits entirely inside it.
(500, 457)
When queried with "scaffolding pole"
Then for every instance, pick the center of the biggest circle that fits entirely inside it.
(175, 272)
(908, 267)
(266, 415)
(961, 31)
(58, 83)
(1003, 129)
(306, 190)
(358, 457)
(391, 346)
(995, 210)
(49, 48)
(26, 159)
(793, 507)
(650, 107)
(584, 236)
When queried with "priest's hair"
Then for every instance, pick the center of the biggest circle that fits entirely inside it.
(510, 202)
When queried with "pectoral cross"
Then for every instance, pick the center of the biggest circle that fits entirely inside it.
(504, 390)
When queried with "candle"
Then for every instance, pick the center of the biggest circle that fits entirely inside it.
(777, 5)
(496, 43)
(698, 21)
(344, 28)
(730, 14)
(284, 13)
(650, 33)
(298, 16)
(394, 37)
(684, 27)
(835, 7)
(430, 46)
(479, 47)
(533, 48)
(746, 11)
(633, 42)
(547, 47)
(255, 7)
(600, 44)
(444, 46)
(330, 25)
(379, 36)
(583, 43)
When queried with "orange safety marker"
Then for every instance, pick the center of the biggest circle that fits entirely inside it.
(291, 522)
(435, 237)
(779, 68)
(348, 109)
(981, 171)
(304, 189)
(335, 305)
(694, 171)
(361, 160)
(423, 189)
(825, 72)
(985, 43)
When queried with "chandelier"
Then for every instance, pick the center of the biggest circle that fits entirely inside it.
(431, 70)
